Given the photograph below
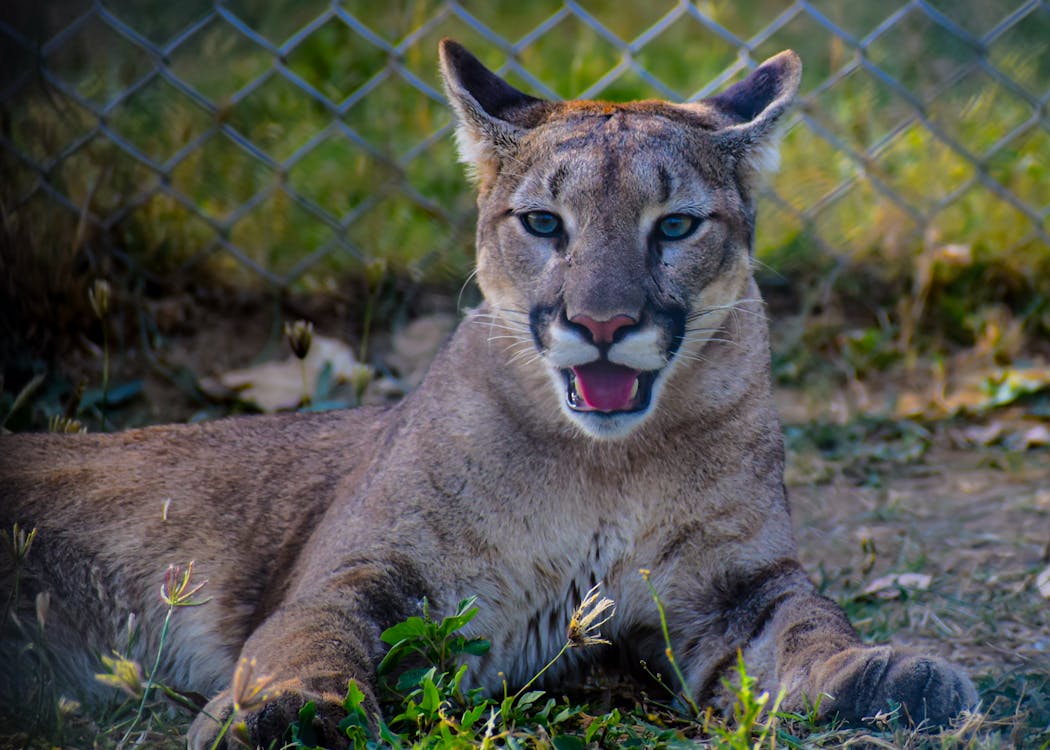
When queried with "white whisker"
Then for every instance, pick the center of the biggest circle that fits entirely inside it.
(500, 323)
(516, 344)
(691, 357)
(705, 340)
(497, 323)
(522, 355)
(505, 321)
(690, 330)
(735, 306)
(523, 316)
(466, 282)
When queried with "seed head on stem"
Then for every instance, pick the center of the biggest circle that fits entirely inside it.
(98, 296)
(584, 623)
(300, 335)
(250, 691)
(176, 590)
(18, 542)
(582, 630)
(121, 672)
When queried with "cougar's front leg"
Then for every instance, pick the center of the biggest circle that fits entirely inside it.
(793, 639)
(312, 646)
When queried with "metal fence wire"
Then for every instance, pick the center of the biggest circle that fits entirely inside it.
(285, 143)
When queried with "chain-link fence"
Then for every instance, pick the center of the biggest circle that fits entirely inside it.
(288, 143)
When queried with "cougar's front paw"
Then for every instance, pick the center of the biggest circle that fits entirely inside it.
(268, 725)
(862, 682)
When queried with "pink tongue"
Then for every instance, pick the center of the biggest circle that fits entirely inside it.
(605, 386)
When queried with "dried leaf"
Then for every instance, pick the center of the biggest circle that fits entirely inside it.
(984, 434)
(955, 254)
(912, 405)
(276, 386)
(1042, 582)
(891, 586)
(1033, 437)
(975, 394)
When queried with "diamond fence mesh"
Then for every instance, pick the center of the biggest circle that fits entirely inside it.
(289, 143)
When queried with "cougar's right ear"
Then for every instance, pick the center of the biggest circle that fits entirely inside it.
(755, 105)
(491, 114)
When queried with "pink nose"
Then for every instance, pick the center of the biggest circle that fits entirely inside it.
(602, 330)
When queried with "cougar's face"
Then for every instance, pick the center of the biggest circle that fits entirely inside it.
(617, 247)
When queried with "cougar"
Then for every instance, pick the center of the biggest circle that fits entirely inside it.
(607, 408)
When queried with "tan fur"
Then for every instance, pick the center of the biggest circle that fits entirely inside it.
(315, 532)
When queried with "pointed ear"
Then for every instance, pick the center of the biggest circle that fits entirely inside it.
(754, 106)
(491, 114)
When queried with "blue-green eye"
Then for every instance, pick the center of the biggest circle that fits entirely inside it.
(541, 223)
(676, 226)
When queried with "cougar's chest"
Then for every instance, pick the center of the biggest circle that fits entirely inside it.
(562, 542)
(527, 601)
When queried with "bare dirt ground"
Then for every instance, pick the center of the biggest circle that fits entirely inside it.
(977, 522)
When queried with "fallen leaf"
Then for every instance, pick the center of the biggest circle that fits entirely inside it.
(976, 393)
(955, 254)
(1042, 582)
(912, 405)
(984, 434)
(1015, 383)
(1033, 437)
(891, 586)
(278, 385)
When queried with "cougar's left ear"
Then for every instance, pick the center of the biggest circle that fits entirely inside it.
(755, 104)
(492, 115)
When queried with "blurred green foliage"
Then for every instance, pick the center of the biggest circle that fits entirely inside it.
(318, 142)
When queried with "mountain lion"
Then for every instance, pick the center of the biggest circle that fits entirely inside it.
(606, 409)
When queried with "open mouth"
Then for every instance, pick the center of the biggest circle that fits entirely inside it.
(608, 388)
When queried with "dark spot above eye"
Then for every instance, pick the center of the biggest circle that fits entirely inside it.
(665, 184)
(554, 182)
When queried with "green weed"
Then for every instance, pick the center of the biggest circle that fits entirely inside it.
(754, 719)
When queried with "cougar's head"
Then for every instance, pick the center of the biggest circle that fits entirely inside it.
(614, 239)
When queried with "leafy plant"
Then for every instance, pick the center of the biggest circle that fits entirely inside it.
(439, 644)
